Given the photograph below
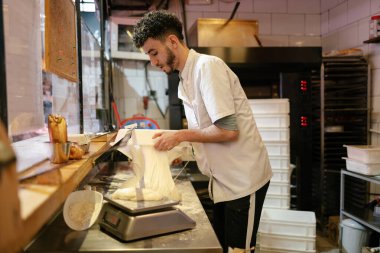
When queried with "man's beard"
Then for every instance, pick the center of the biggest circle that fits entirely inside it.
(170, 61)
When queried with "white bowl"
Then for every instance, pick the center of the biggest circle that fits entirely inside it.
(82, 208)
(83, 140)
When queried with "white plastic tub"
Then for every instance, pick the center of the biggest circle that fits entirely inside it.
(364, 153)
(269, 106)
(144, 137)
(272, 120)
(277, 148)
(371, 169)
(287, 243)
(277, 201)
(274, 134)
(279, 188)
(288, 222)
(279, 162)
(271, 250)
(281, 175)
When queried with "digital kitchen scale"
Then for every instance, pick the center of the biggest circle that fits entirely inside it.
(132, 220)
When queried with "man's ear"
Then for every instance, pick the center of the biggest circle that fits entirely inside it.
(173, 41)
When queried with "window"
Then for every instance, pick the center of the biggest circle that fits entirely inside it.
(32, 93)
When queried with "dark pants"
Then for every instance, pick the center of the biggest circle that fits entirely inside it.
(231, 220)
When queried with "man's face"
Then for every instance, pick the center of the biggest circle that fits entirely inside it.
(160, 55)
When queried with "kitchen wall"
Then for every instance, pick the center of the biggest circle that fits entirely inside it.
(332, 24)
(281, 23)
(131, 82)
(345, 24)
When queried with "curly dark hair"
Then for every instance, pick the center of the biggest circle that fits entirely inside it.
(156, 25)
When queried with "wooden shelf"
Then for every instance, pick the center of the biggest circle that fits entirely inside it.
(42, 194)
(373, 40)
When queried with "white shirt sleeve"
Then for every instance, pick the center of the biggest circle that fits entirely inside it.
(215, 86)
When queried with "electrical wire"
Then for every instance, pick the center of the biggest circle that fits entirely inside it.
(234, 10)
(163, 113)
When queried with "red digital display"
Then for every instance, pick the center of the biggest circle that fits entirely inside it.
(304, 121)
(303, 85)
(111, 219)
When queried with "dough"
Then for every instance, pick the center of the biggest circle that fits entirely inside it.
(136, 194)
(153, 176)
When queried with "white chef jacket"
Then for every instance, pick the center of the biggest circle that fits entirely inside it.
(210, 91)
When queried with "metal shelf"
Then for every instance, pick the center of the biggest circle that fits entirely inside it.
(361, 215)
(373, 223)
(374, 131)
(373, 40)
(340, 97)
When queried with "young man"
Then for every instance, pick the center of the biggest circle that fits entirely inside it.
(226, 142)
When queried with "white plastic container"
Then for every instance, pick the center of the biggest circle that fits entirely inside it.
(277, 148)
(287, 243)
(279, 188)
(371, 169)
(269, 106)
(288, 222)
(272, 120)
(277, 201)
(279, 162)
(364, 153)
(354, 236)
(271, 250)
(144, 137)
(280, 175)
(274, 134)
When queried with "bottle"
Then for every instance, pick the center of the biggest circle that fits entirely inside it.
(374, 26)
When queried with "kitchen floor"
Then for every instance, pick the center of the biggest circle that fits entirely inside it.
(324, 245)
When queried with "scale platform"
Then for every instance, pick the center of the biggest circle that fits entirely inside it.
(132, 220)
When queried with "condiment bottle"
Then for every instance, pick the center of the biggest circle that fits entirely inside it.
(374, 26)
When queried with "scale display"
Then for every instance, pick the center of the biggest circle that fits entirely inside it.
(111, 218)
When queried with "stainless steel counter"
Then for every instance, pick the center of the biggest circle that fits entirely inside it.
(58, 237)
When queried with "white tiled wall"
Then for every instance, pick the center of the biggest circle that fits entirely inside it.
(281, 23)
(345, 24)
(332, 24)
(130, 86)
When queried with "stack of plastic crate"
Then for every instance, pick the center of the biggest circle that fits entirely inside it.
(363, 159)
(272, 120)
(286, 231)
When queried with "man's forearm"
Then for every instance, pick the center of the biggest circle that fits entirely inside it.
(209, 134)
